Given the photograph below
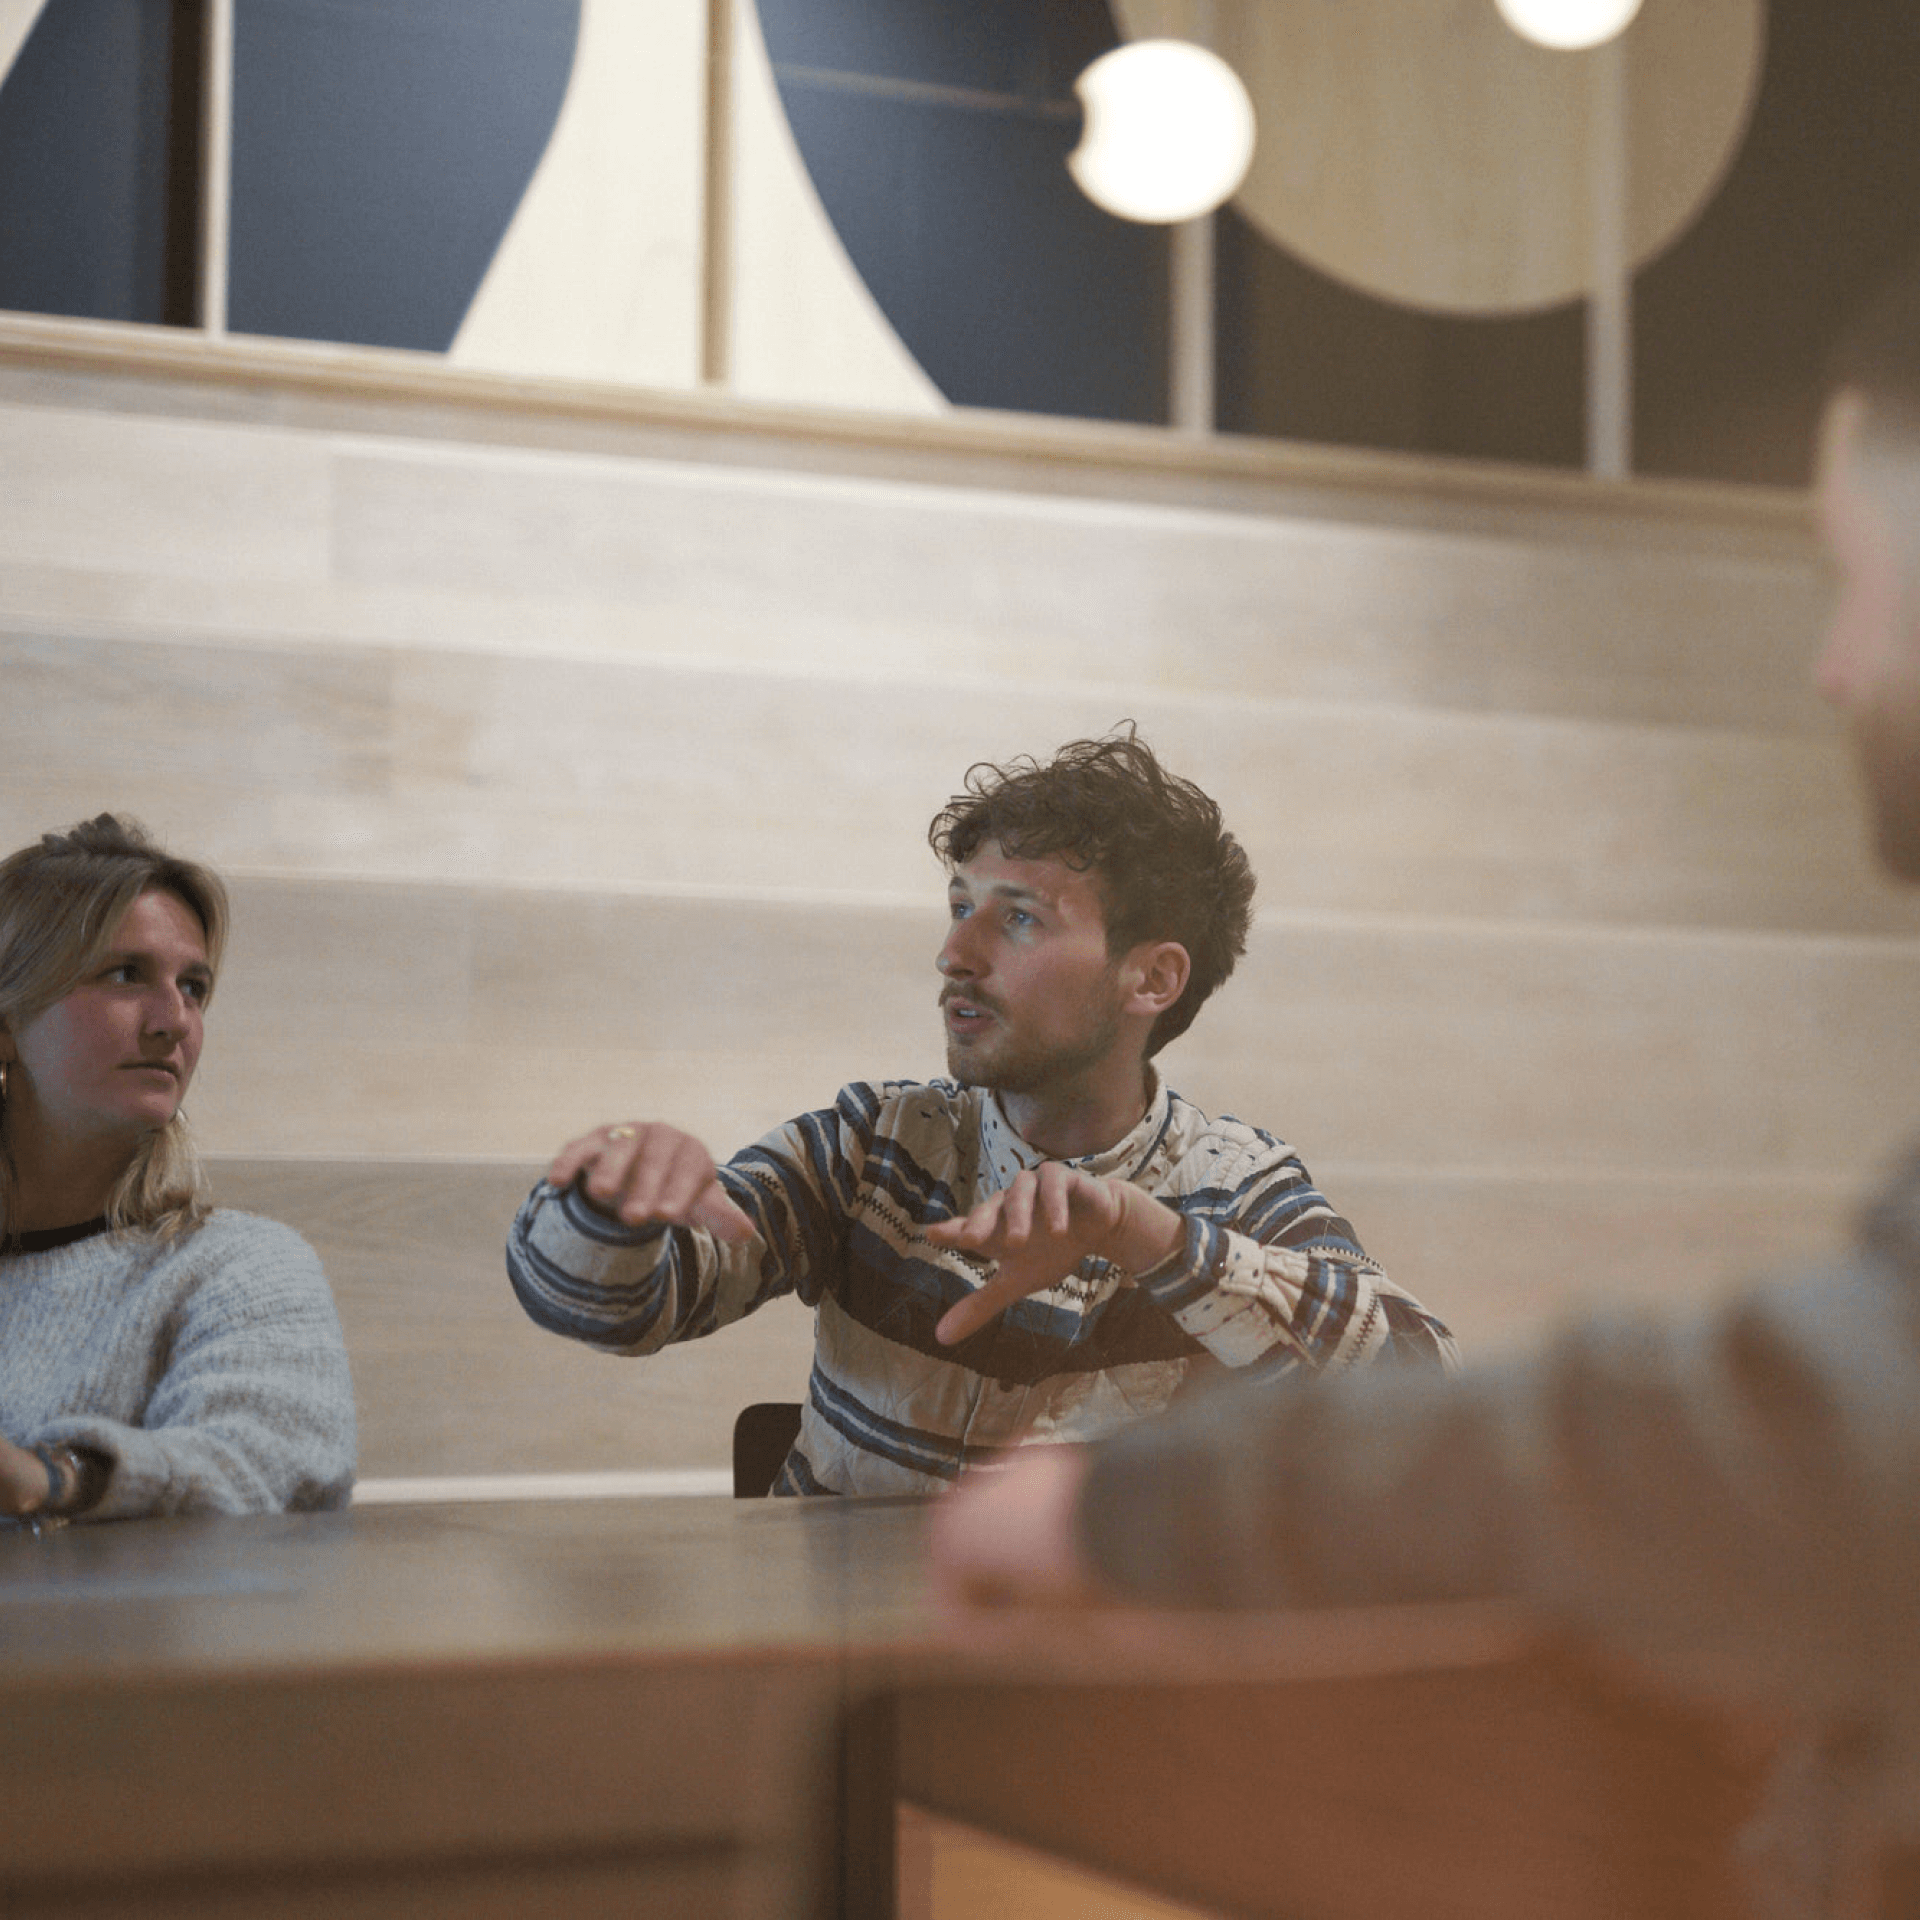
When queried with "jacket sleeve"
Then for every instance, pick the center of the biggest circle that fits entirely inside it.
(1270, 1279)
(1734, 1499)
(252, 1407)
(633, 1290)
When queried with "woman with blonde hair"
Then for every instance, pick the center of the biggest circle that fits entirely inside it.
(157, 1355)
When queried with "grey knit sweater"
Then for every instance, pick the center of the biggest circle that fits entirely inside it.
(210, 1372)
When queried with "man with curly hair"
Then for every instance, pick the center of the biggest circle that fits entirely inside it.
(1048, 1243)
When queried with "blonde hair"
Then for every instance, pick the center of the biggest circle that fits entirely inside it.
(61, 902)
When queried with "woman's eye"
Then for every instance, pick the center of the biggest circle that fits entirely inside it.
(197, 990)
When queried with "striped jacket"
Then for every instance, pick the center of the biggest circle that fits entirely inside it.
(1269, 1279)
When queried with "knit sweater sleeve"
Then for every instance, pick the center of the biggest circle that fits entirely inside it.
(227, 1389)
(633, 1290)
(1270, 1279)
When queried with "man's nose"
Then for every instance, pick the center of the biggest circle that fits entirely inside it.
(956, 951)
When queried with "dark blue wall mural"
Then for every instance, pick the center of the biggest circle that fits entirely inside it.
(380, 148)
(383, 146)
(85, 162)
(936, 133)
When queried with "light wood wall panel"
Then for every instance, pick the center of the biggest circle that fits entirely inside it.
(359, 1018)
(451, 1377)
(439, 764)
(311, 536)
(573, 765)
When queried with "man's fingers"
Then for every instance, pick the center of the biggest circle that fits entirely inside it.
(644, 1171)
(973, 1229)
(721, 1217)
(577, 1155)
(971, 1314)
(1016, 1214)
(1057, 1184)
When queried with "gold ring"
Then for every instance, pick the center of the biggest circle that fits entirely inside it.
(620, 1133)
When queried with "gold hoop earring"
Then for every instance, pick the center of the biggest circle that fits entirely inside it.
(5, 1065)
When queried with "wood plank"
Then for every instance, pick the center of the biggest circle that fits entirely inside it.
(440, 765)
(1672, 619)
(391, 1019)
(451, 1377)
(1494, 1793)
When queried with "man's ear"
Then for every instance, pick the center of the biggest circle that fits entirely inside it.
(1159, 971)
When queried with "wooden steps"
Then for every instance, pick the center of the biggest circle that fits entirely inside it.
(571, 753)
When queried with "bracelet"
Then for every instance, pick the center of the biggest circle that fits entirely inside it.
(75, 1480)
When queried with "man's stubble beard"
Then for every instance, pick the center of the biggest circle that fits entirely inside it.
(1029, 1070)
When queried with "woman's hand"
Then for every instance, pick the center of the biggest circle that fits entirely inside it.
(24, 1484)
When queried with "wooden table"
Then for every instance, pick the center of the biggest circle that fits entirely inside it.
(1418, 1763)
(601, 1707)
(699, 1707)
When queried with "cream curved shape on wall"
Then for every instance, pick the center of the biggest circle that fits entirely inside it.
(805, 327)
(16, 22)
(598, 274)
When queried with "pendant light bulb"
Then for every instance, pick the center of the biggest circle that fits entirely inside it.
(1570, 25)
(1169, 131)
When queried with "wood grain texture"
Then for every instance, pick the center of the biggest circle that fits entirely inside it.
(366, 1018)
(451, 1377)
(430, 764)
(397, 1705)
(1493, 1794)
(1553, 611)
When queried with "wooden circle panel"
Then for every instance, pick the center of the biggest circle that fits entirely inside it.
(1421, 151)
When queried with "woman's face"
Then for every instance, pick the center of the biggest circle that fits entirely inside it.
(115, 1055)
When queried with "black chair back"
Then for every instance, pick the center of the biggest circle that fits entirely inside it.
(763, 1435)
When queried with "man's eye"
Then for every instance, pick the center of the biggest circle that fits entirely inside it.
(1019, 917)
(956, 909)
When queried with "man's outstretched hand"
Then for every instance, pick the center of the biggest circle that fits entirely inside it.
(1038, 1229)
(644, 1173)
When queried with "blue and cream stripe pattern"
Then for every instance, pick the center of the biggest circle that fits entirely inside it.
(1270, 1279)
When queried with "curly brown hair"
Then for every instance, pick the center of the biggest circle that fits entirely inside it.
(1165, 866)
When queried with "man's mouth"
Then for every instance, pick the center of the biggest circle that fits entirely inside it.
(963, 1013)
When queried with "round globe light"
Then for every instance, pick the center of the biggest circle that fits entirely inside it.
(1568, 24)
(1169, 131)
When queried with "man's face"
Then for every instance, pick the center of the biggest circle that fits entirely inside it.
(1870, 664)
(1032, 1001)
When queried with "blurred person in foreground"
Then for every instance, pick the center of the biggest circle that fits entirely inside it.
(157, 1356)
(1734, 1500)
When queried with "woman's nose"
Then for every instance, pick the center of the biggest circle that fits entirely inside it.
(167, 1011)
